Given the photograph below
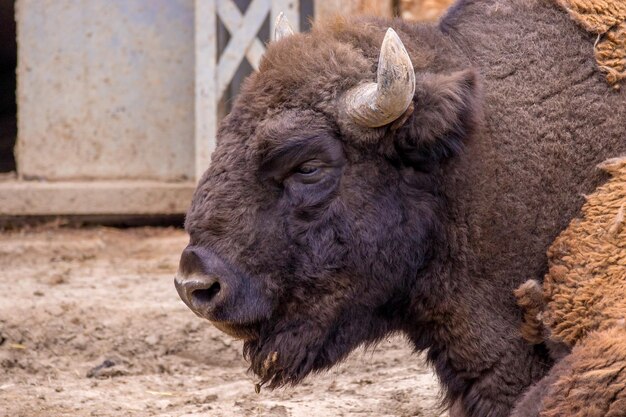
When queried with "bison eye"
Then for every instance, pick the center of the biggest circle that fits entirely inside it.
(307, 169)
(311, 172)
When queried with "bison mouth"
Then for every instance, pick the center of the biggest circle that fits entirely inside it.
(245, 332)
(278, 359)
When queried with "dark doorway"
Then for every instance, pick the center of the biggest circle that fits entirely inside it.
(8, 107)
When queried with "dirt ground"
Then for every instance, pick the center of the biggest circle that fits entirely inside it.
(90, 325)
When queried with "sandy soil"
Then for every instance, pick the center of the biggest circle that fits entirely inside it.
(90, 325)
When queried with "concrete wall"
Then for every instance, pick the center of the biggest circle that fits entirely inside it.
(105, 89)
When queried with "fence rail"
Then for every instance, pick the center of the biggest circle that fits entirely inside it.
(215, 72)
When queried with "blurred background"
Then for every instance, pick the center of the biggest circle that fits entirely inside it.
(109, 108)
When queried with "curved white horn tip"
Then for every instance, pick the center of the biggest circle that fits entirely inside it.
(393, 53)
(392, 34)
(392, 45)
(282, 28)
(392, 39)
(380, 103)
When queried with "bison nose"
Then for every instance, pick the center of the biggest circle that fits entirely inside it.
(218, 291)
(202, 281)
(198, 292)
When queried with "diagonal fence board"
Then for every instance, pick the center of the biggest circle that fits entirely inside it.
(214, 74)
(243, 32)
(232, 18)
(236, 49)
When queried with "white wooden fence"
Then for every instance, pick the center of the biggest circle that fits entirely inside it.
(214, 73)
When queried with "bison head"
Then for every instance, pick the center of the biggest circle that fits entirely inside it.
(320, 220)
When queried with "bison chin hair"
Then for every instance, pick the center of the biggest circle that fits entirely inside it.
(278, 366)
(284, 357)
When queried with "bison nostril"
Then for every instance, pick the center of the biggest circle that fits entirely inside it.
(203, 297)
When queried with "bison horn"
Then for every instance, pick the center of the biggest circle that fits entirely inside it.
(282, 28)
(380, 103)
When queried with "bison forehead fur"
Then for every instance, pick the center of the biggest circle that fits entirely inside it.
(334, 235)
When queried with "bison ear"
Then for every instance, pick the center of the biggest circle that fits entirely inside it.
(446, 110)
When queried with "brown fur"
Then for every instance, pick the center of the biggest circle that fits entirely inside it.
(586, 284)
(423, 229)
(597, 16)
(423, 10)
(590, 382)
(530, 298)
(607, 19)
(611, 55)
(583, 305)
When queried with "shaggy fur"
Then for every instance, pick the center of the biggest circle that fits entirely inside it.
(585, 288)
(607, 19)
(583, 305)
(530, 298)
(588, 265)
(423, 228)
(590, 382)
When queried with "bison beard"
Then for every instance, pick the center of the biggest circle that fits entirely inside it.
(288, 364)
(286, 354)
(283, 357)
(333, 215)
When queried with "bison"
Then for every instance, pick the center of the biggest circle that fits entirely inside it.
(371, 181)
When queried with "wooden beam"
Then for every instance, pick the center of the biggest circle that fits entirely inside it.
(206, 80)
(41, 198)
(233, 20)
